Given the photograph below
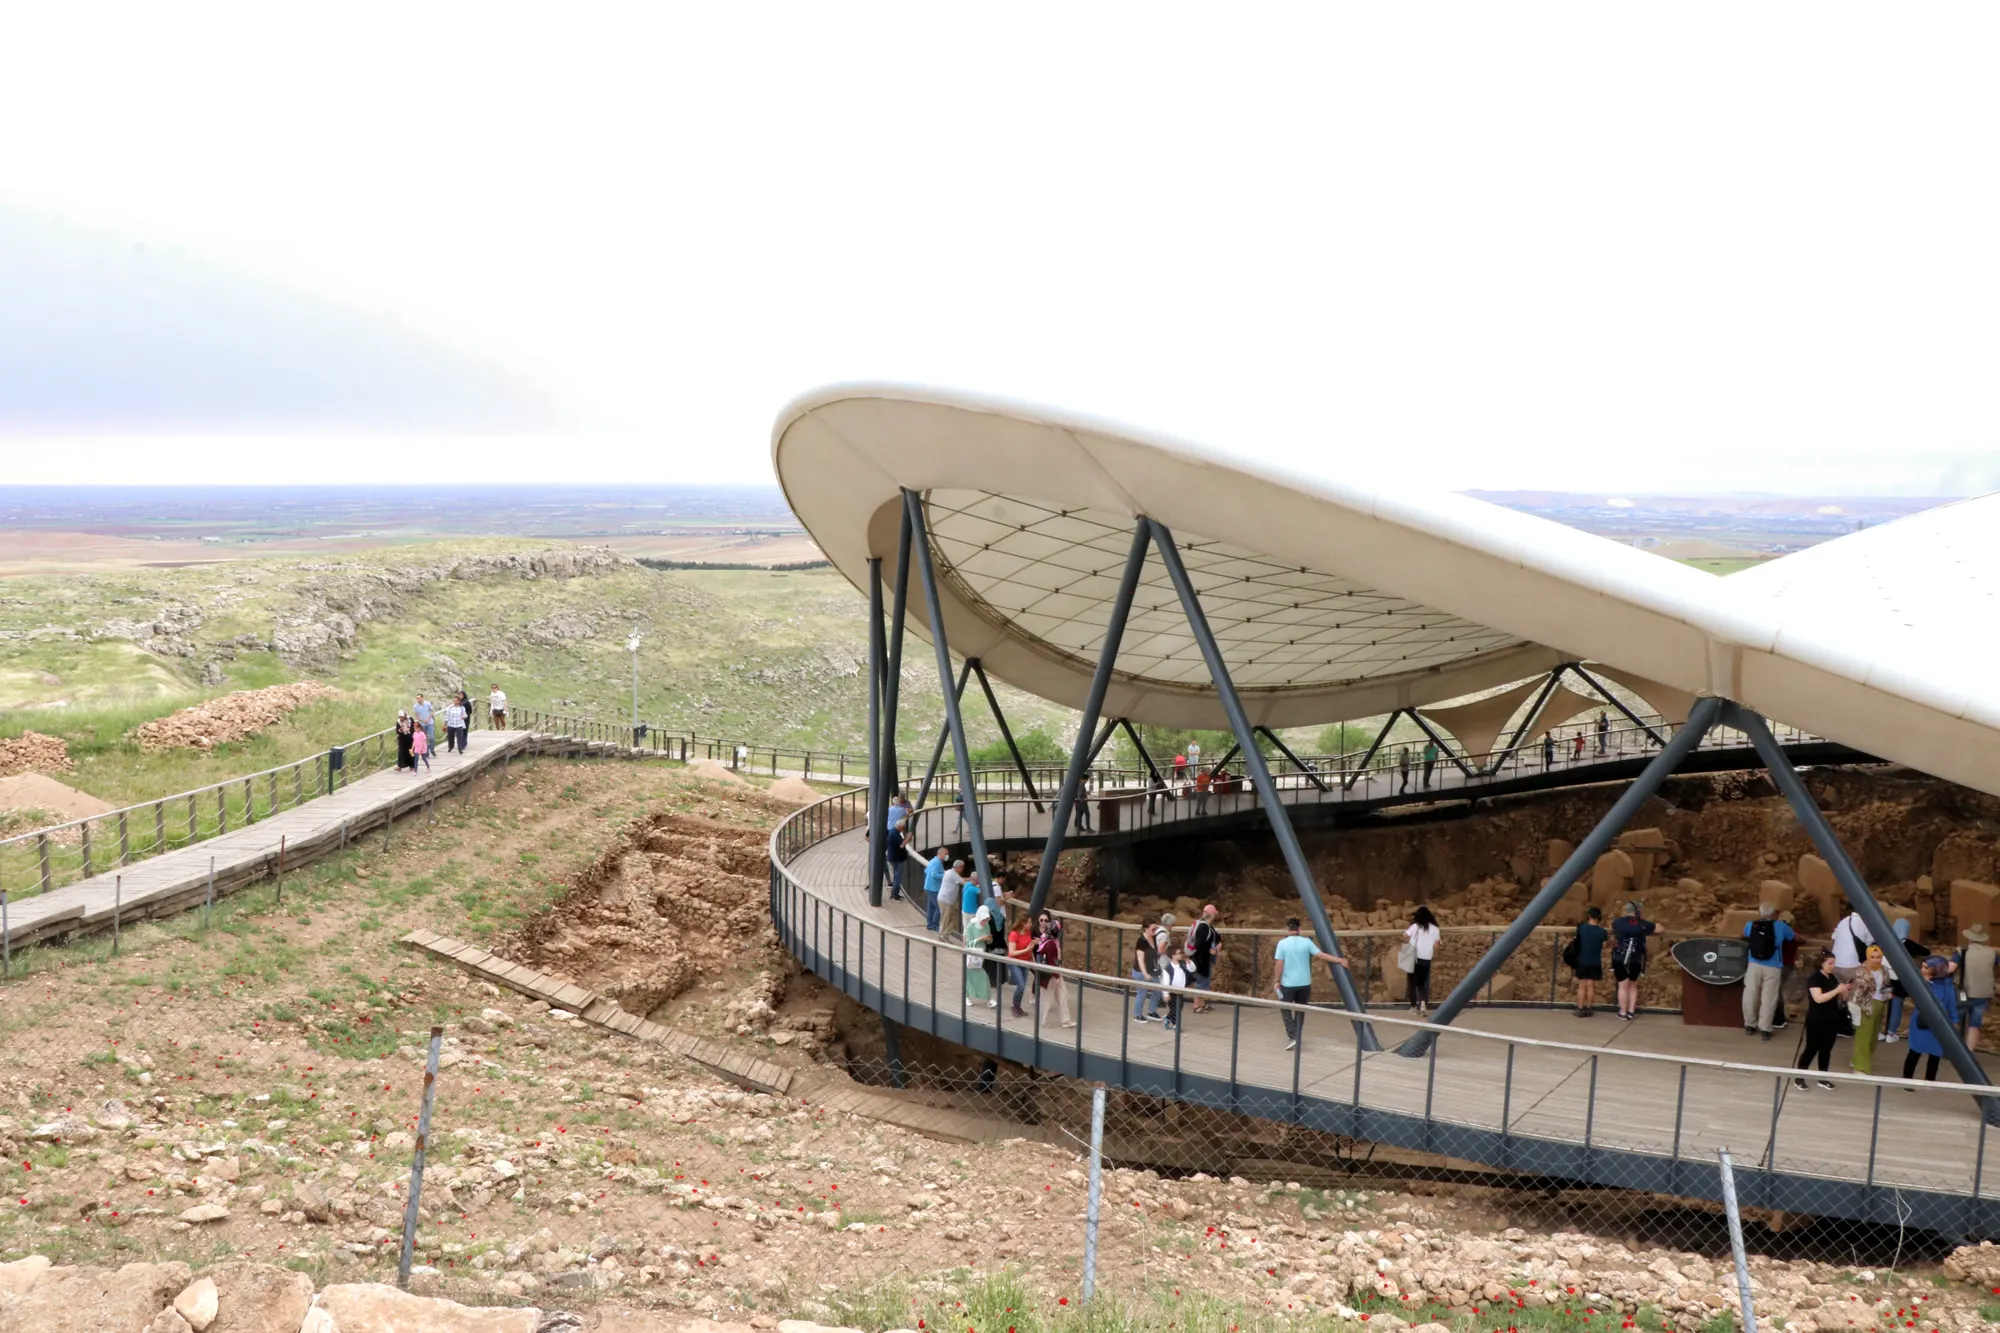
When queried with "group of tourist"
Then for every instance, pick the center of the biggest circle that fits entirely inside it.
(417, 726)
(1627, 939)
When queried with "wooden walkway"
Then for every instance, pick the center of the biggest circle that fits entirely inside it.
(178, 880)
(1653, 1090)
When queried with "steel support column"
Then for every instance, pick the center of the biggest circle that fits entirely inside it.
(1439, 741)
(1297, 763)
(1132, 735)
(878, 804)
(944, 734)
(1859, 895)
(1534, 711)
(1085, 750)
(1579, 864)
(1361, 769)
(892, 676)
(1215, 769)
(968, 792)
(1577, 670)
(1260, 774)
(1006, 732)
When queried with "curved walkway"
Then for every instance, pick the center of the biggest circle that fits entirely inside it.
(1641, 1106)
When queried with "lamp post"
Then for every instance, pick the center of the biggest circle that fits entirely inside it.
(633, 645)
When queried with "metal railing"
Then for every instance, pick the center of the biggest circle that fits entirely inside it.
(46, 858)
(1881, 1149)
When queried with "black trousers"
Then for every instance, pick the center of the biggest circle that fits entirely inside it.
(1295, 1023)
(1420, 983)
(1910, 1066)
(1819, 1045)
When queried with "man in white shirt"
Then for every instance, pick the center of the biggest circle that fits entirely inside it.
(1850, 942)
(496, 704)
(951, 890)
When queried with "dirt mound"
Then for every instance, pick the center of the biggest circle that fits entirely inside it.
(32, 751)
(792, 791)
(714, 771)
(677, 899)
(230, 718)
(34, 791)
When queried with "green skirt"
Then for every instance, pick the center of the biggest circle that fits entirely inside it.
(1863, 1056)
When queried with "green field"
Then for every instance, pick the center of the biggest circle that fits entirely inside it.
(775, 657)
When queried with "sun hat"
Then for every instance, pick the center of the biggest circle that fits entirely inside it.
(1976, 933)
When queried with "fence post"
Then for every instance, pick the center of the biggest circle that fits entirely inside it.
(194, 821)
(221, 810)
(124, 840)
(117, 910)
(1736, 1242)
(42, 851)
(159, 826)
(208, 903)
(281, 870)
(6, 940)
(87, 872)
(1096, 1192)
(417, 1162)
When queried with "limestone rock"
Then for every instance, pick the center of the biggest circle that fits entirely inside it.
(205, 1212)
(256, 1297)
(312, 1201)
(91, 1300)
(318, 1321)
(1611, 879)
(374, 1307)
(198, 1303)
(808, 1326)
(19, 1278)
(169, 1320)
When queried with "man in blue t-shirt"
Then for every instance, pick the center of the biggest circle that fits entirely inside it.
(1296, 955)
(1767, 936)
(968, 901)
(934, 881)
(1589, 966)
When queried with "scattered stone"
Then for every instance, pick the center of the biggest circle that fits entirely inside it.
(204, 1212)
(198, 1303)
(375, 1307)
(19, 1277)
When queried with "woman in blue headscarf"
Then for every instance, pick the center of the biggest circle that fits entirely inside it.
(1923, 1041)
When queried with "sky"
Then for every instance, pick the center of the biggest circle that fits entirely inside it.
(1710, 247)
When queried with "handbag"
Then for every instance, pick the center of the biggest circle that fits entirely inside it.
(1406, 957)
(1572, 952)
(973, 962)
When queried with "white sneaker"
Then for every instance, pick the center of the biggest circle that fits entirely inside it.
(1291, 1046)
(993, 1004)
(1889, 1039)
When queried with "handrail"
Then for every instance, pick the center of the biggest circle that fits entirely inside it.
(1943, 1191)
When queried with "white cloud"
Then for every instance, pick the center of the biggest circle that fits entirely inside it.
(1715, 248)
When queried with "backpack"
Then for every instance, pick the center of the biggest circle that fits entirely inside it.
(1572, 952)
(1763, 939)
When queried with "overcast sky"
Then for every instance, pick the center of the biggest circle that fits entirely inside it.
(1699, 247)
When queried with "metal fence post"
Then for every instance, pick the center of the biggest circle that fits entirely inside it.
(417, 1162)
(1096, 1192)
(281, 871)
(1736, 1242)
(42, 854)
(208, 904)
(117, 910)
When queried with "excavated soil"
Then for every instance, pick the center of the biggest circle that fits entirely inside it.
(31, 751)
(35, 792)
(232, 717)
(676, 900)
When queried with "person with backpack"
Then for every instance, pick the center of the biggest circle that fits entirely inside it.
(1584, 957)
(1204, 942)
(1628, 957)
(1763, 977)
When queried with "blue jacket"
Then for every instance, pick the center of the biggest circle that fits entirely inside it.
(1922, 1040)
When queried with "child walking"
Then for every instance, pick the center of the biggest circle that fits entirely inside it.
(420, 748)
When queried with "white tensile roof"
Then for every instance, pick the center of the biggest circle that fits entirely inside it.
(1333, 601)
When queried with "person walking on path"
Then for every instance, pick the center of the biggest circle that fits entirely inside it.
(1576, 752)
(996, 942)
(1083, 802)
(1824, 993)
(1975, 976)
(1628, 957)
(1871, 988)
(1420, 942)
(1020, 949)
(1923, 1041)
(951, 896)
(426, 717)
(406, 731)
(1048, 952)
(978, 932)
(1145, 969)
(1296, 955)
(934, 873)
(1204, 942)
(1430, 762)
(1548, 750)
(454, 728)
(1203, 780)
(1174, 976)
(1403, 768)
(1763, 977)
(1603, 731)
(420, 747)
(496, 708)
(971, 897)
(1586, 961)
(897, 857)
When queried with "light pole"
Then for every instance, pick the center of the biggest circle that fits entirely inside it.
(633, 644)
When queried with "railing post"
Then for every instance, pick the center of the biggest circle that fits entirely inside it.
(410, 1204)
(88, 870)
(42, 855)
(159, 826)
(124, 840)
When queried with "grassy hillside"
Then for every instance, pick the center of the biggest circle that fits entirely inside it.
(773, 656)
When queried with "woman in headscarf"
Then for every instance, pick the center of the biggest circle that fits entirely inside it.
(406, 735)
(1923, 1041)
(1870, 996)
(977, 936)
